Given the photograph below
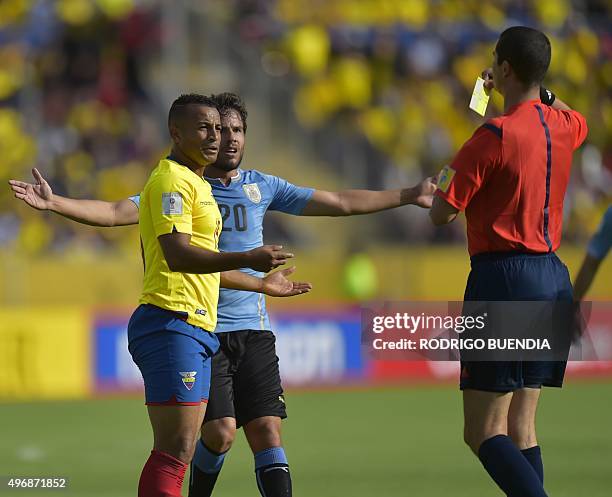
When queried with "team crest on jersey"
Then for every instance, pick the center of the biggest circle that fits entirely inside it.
(445, 177)
(188, 378)
(252, 192)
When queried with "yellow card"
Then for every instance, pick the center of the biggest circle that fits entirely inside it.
(480, 98)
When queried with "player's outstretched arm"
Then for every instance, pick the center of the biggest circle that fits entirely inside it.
(274, 284)
(585, 277)
(598, 249)
(39, 195)
(354, 202)
(182, 257)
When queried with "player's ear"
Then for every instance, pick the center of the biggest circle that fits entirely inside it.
(506, 69)
(175, 133)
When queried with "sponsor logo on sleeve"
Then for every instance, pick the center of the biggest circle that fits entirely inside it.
(172, 204)
(210, 201)
(445, 177)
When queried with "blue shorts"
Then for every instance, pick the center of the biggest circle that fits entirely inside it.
(515, 277)
(174, 357)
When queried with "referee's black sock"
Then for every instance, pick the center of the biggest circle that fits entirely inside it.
(534, 456)
(509, 468)
(272, 473)
(205, 468)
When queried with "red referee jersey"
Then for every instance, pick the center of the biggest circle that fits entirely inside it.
(511, 178)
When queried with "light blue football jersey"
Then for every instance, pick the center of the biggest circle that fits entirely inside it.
(602, 240)
(243, 204)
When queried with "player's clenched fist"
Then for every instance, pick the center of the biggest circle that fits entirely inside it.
(424, 192)
(268, 257)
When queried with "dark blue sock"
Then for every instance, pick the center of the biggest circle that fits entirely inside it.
(205, 468)
(509, 468)
(272, 473)
(534, 456)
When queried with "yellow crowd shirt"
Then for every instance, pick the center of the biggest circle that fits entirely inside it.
(177, 199)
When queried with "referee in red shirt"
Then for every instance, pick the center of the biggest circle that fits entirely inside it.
(510, 179)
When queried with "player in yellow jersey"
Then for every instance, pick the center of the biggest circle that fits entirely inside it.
(170, 334)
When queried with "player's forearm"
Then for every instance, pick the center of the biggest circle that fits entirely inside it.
(356, 202)
(585, 277)
(90, 212)
(367, 201)
(560, 105)
(237, 280)
(191, 259)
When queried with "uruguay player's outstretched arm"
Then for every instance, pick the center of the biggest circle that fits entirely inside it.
(182, 257)
(274, 284)
(354, 202)
(39, 195)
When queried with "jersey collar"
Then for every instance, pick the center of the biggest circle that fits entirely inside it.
(520, 104)
(233, 179)
(171, 158)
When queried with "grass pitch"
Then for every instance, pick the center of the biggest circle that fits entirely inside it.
(359, 443)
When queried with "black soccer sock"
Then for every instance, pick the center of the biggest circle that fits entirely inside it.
(509, 468)
(205, 468)
(272, 473)
(534, 456)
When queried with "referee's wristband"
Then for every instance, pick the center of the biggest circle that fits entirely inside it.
(547, 97)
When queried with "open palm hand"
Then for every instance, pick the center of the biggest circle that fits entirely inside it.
(276, 284)
(37, 195)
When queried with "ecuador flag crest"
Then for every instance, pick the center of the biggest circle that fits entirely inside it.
(188, 378)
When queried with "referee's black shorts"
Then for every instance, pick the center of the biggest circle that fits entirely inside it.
(515, 276)
(245, 382)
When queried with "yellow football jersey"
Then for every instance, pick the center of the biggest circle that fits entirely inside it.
(177, 199)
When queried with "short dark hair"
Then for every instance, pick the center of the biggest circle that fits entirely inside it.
(527, 50)
(181, 103)
(230, 101)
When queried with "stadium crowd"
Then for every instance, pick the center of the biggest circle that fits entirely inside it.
(396, 78)
(72, 103)
(388, 79)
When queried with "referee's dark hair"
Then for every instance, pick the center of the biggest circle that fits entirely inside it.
(177, 109)
(527, 50)
(230, 101)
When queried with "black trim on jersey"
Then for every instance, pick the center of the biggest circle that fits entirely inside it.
(494, 129)
(548, 173)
